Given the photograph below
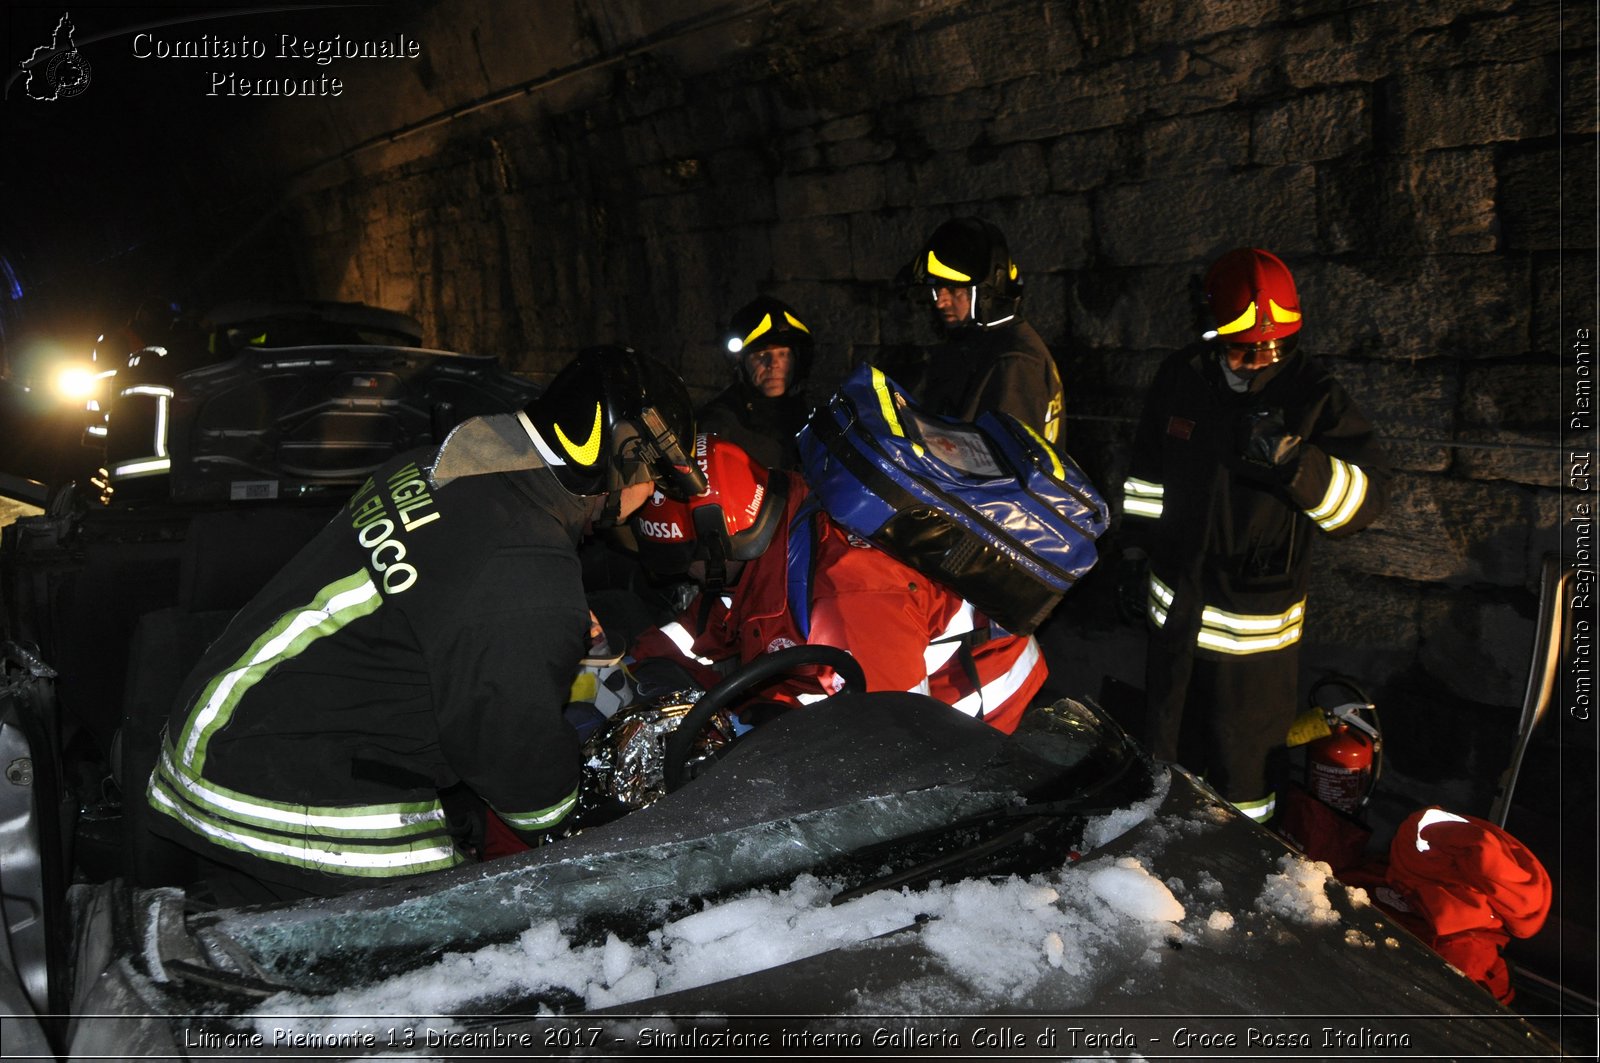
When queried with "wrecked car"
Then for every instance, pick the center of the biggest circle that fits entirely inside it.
(871, 872)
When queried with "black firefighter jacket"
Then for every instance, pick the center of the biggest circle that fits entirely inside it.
(1229, 541)
(1007, 368)
(426, 637)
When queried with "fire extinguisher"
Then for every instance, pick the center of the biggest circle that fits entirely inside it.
(1343, 764)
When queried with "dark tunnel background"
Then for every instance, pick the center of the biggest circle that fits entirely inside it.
(552, 174)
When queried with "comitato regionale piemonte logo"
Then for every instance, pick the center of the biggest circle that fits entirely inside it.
(57, 71)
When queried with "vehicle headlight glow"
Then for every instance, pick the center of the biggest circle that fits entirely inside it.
(80, 382)
(75, 382)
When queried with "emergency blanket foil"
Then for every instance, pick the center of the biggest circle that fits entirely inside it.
(625, 760)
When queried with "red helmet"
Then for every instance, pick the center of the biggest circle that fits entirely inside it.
(733, 519)
(1252, 297)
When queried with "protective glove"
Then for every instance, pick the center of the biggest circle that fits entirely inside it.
(656, 676)
(1133, 586)
(1267, 449)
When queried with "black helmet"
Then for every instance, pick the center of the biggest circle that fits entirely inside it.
(972, 252)
(767, 322)
(612, 418)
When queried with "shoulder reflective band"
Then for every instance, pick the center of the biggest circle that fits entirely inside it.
(1141, 498)
(1347, 489)
(330, 609)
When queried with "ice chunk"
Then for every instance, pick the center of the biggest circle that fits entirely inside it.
(1103, 829)
(1298, 892)
(1133, 891)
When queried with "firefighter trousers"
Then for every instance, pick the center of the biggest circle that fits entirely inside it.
(1223, 718)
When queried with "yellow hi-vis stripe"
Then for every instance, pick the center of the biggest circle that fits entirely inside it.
(880, 384)
(1347, 489)
(1142, 498)
(949, 273)
(1160, 601)
(544, 817)
(1240, 323)
(1261, 810)
(766, 323)
(1237, 633)
(1242, 633)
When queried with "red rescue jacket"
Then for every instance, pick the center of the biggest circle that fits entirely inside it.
(907, 632)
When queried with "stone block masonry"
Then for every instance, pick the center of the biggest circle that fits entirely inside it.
(1425, 168)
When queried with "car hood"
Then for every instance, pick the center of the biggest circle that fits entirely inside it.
(935, 868)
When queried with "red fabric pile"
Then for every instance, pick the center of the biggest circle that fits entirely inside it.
(1467, 888)
(1461, 884)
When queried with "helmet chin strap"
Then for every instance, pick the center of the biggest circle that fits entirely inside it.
(610, 511)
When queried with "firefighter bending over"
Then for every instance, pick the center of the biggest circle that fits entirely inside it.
(424, 641)
(1247, 448)
(776, 572)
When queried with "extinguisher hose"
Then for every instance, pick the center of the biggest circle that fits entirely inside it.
(1377, 756)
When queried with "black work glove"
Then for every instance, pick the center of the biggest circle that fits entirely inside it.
(1267, 449)
(656, 676)
(1133, 587)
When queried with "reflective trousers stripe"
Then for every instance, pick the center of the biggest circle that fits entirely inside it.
(1259, 810)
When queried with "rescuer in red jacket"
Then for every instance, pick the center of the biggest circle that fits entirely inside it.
(776, 572)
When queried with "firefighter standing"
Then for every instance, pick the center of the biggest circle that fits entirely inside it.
(991, 359)
(767, 589)
(764, 407)
(425, 640)
(1245, 450)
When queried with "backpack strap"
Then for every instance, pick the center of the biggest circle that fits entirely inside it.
(802, 562)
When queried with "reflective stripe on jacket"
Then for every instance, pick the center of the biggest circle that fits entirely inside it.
(1228, 544)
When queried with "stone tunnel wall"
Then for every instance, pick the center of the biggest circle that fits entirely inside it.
(1406, 160)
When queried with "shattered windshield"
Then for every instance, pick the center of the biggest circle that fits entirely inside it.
(841, 816)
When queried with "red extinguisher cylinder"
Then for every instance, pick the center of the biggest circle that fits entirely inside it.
(1339, 768)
